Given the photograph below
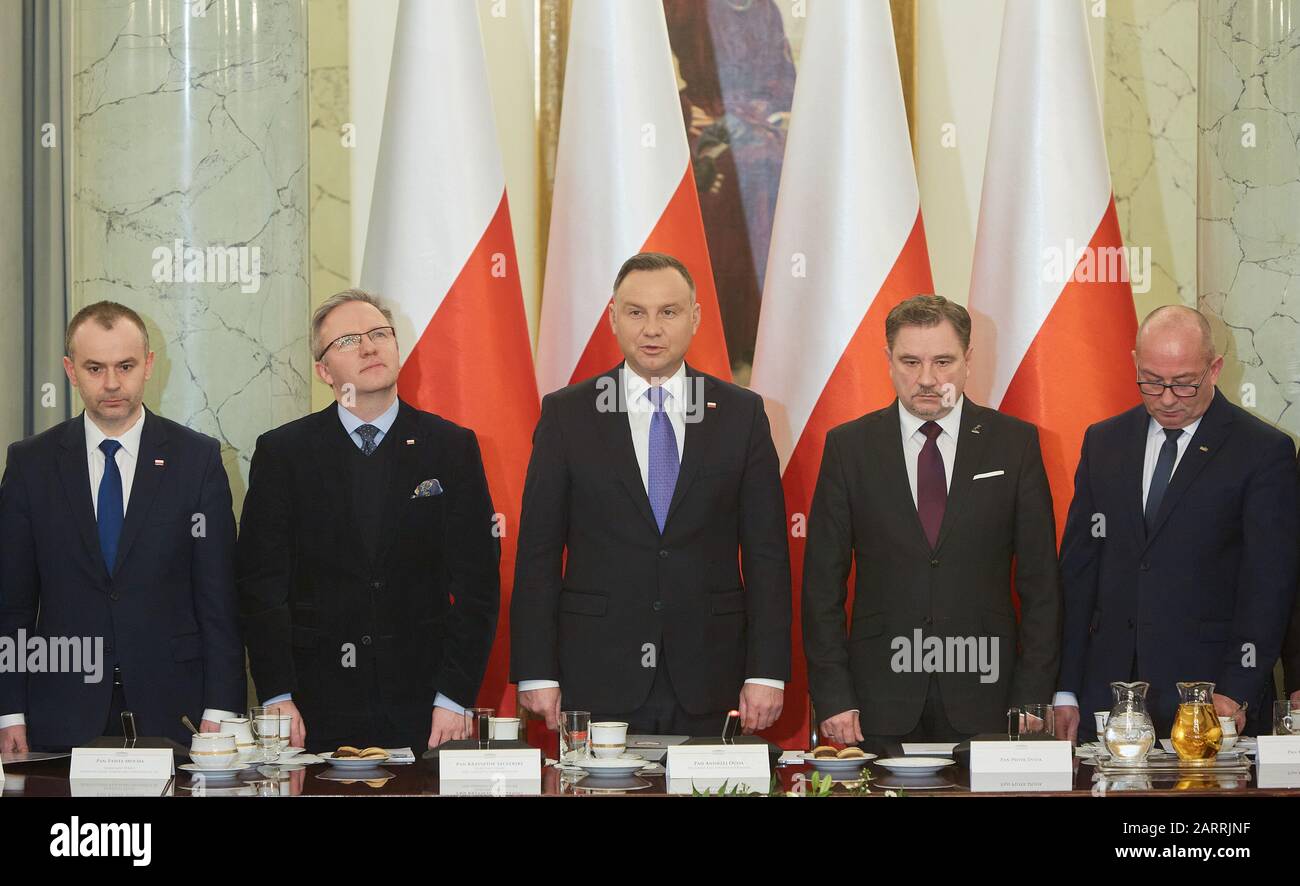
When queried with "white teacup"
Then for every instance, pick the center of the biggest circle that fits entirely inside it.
(286, 724)
(1101, 717)
(608, 739)
(1230, 736)
(213, 750)
(503, 728)
(243, 733)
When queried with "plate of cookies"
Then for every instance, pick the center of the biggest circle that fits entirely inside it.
(348, 757)
(825, 758)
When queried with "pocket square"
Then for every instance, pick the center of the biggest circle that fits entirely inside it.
(989, 474)
(428, 488)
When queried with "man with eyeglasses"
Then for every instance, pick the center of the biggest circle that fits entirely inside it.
(366, 561)
(1179, 559)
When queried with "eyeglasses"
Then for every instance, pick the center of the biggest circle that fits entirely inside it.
(379, 336)
(1157, 388)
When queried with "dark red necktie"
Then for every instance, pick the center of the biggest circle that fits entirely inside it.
(931, 483)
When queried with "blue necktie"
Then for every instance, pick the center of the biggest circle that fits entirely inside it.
(1160, 477)
(110, 504)
(664, 461)
(367, 433)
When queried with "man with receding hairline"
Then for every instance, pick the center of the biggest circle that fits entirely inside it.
(117, 525)
(1179, 559)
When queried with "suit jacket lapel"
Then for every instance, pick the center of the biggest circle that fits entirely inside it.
(617, 434)
(973, 438)
(74, 474)
(1133, 459)
(699, 432)
(148, 477)
(1204, 445)
(327, 441)
(887, 441)
(403, 467)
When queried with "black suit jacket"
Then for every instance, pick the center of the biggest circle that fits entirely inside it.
(420, 616)
(588, 621)
(1291, 646)
(1217, 571)
(167, 616)
(863, 514)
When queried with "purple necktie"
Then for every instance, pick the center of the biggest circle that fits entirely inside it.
(931, 483)
(664, 461)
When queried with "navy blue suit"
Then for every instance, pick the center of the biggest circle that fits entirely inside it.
(1206, 594)
(167, 614)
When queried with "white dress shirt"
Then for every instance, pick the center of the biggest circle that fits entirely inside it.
(914, 440)
(1155, 442)
(384, 422)
(126, 458)
(640, 410)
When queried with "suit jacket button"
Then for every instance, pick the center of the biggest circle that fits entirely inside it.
(1145, 567)
(928, 621)
(934, 562)
(663, 555)
(657, 606)
(376, 585)
(108, 650)
(365, 640)
(1130, 624)
(113, 597)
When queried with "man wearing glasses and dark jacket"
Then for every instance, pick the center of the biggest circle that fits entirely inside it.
(366, 561)
(1179, 559)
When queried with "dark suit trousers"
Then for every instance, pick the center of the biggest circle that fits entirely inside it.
(933, 726)
(662, 715)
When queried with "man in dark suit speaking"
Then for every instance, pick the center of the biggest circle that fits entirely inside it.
(933, 498)
(116, 530)
(366, 560)
(662, 486)
(1179, 556)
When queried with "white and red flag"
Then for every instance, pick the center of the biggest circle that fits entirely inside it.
(1050, 293)
(440, 250)
(847, 246)
(623, 185)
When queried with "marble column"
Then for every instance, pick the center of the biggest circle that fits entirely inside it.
(1249, 200)
(190, 201)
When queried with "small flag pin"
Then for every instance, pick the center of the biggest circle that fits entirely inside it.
(1205, 449)
(709, 404)
(410, 442)
(158, 462)
(976, 429)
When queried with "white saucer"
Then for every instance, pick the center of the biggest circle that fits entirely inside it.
(837, 766)
(915, 765)
(353, 762)
(209, 772)
(611, 767)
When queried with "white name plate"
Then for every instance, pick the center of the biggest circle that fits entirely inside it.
(1001, 782)
(689, 786)
(1279, 750)
(1021, 757)
(1278, 776)
(490, 764)
(706, 762)
(121, 764)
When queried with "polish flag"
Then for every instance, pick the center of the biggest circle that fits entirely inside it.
(1050, 296)
(440, 250)
(623, 185)
(847, 246)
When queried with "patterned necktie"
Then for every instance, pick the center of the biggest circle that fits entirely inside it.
(1160, 477)
(110, 514)
(664, 460)
(931, 483)
(367, 433)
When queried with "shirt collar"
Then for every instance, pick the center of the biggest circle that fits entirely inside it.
(130, 438)
(383, 421)
(1155, 429)
(636, 386)
(950, 423)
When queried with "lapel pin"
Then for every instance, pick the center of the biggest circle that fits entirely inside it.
(1205, 449)
(410, 442)
(976, 429)
(158, 462)
(710, 405)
